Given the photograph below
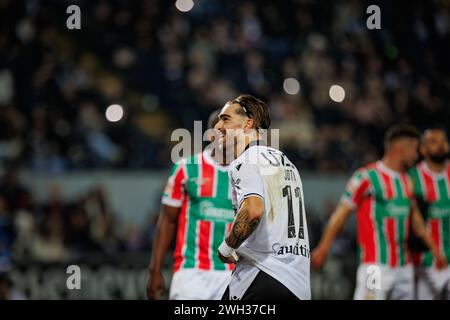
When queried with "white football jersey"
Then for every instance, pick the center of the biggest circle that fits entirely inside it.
(279, 246)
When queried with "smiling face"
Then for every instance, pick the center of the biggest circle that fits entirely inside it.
(232, 126)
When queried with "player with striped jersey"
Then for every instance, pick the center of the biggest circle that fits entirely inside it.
(382, 194)
(431, 179)
(196, 201)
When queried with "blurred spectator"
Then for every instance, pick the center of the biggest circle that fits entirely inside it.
(102, 220)
(59, 84)
(6, 235)
(133, 239)
(48, 246)
(79, 237)
(7, 289)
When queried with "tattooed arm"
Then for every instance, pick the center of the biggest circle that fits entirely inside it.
(245, 222)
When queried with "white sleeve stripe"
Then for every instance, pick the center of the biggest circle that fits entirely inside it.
(172, 202)
(249, 195)
(349, 202)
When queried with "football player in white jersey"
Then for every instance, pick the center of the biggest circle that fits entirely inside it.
(269, 237)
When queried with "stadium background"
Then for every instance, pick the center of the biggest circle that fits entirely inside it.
(76, 188)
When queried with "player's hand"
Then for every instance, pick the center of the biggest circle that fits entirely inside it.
(441, 261)
(230, 259)
(155, 286)
(318, 257)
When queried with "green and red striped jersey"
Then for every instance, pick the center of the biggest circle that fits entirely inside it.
(432, 191)
(382, 198)
(200, 187)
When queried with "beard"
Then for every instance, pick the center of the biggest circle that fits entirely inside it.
(439, 158)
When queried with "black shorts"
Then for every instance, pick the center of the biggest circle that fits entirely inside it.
(264, 287)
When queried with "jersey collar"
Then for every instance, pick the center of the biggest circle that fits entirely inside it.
(381, 166)
(209, 159)
(255, 143)
(427, 169)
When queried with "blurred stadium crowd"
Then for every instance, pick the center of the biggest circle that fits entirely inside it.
(57, 231)
(168, 68)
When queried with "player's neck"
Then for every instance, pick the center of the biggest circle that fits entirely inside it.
(247, 142)
(392, 163)
(240, 148)
(435, 167)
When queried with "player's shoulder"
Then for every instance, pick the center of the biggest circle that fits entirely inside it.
(252, 156)
(364, 170)
(360, 178)
(193, 160)
(186, 163)
(258, 151)
(179, 164)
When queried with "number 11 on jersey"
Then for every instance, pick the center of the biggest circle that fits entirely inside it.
(287, 192)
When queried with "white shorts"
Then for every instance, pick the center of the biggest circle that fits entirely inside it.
(195, 284)
(433, 284)
(380, 282)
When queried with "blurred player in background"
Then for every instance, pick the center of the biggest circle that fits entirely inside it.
(382, 194)
(269, 238)
(431, 179)
(196, 202)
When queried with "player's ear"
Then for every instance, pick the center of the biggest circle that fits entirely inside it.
(249, 124)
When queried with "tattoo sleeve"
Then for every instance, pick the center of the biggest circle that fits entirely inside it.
(242, 228)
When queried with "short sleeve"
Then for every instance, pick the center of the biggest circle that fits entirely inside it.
(247, 181)
(358, 187)
(174, 191)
